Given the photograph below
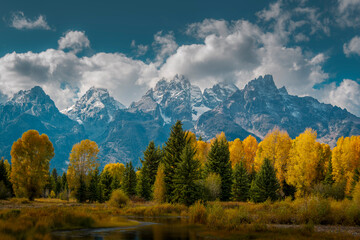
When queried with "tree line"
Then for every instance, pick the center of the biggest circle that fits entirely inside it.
(187, 169)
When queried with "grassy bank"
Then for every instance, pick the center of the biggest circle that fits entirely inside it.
(37, 222)
(21, 219)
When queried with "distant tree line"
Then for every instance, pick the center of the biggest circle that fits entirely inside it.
(187, 169)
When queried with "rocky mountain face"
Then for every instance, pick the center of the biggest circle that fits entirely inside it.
(94, 110)
(261, 106)
(123, 133)
(33, 109)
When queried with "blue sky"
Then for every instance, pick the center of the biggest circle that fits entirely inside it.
(311, 47)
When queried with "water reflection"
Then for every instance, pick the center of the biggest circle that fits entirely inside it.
(146, 231)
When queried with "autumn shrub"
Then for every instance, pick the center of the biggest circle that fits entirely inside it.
(215, 215)
(197, 213)
(4, 191)
(335, 191)
(118, 199)
(236, 217)
(314, 209)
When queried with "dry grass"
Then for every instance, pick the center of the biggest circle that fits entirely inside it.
(37, 223)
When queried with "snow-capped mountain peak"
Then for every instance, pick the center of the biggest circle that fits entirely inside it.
(95, 104)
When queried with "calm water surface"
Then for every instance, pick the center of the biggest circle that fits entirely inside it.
(165, 229)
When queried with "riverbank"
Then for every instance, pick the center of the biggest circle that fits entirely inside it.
(303, 218)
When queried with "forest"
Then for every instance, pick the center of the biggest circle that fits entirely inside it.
(187, 169)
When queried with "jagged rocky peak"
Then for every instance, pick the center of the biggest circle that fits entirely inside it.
(35, 95)
(218, 93)
(33, 101)
(262, 85)
(95, 104)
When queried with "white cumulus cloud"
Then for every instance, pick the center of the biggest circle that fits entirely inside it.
(74, 41)
(20, 21)
(353, 47)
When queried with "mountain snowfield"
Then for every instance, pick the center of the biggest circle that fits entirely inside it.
(123, 133)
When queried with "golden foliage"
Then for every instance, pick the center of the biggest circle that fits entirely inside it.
(116, 170)
(83, 162)
(30, 157)
(250, 147)
(345, 159)
(159, 185)
(202, 151)
(237, 153)
(275, 147)
(303, 162)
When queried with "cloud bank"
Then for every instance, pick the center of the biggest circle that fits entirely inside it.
(232, 51)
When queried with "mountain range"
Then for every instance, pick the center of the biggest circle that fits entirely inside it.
(123, 133)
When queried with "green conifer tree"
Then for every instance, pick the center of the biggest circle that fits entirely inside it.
(6, 187)
(219, 162)
(93, 186)
(152, 157)
(241, 185)
(143, 187)
(186, 175)
(329, 178)
(129, 180)
(265, 186)
(81, 191)
(106, 181)
(172, 152)
(355, 178)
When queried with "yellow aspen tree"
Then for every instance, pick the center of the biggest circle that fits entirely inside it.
(345, 159)
(30, 158)
(325, 156)
(83, 163)
(303, 161)
(159, 185)
(219, 137)
(275, 147)
(116, 170)
(237, 153)
(191, 138)
(202, 151)
(250, 147)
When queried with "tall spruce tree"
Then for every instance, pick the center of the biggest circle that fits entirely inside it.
(172, 152)
(81, 191)
(265, 185)
(241, 185)
(129, 180)
(219, 162)
(106, 182)
(143, 187)
(93, 186)
(6, 187)
(152, 157)
(186, 174)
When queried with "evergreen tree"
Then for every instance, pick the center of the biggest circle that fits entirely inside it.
(129, 180)
(115, 184)
(143, 187)
(106, 182)
(53, 181)
(81, 191)
(6, 187)
(172, 152)
(64, 184)
(152, 157)
(329, 178)
(265, 184)
(219, 162)
(241, 185)
(93, 186)
(186, 174)
(100, 193)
